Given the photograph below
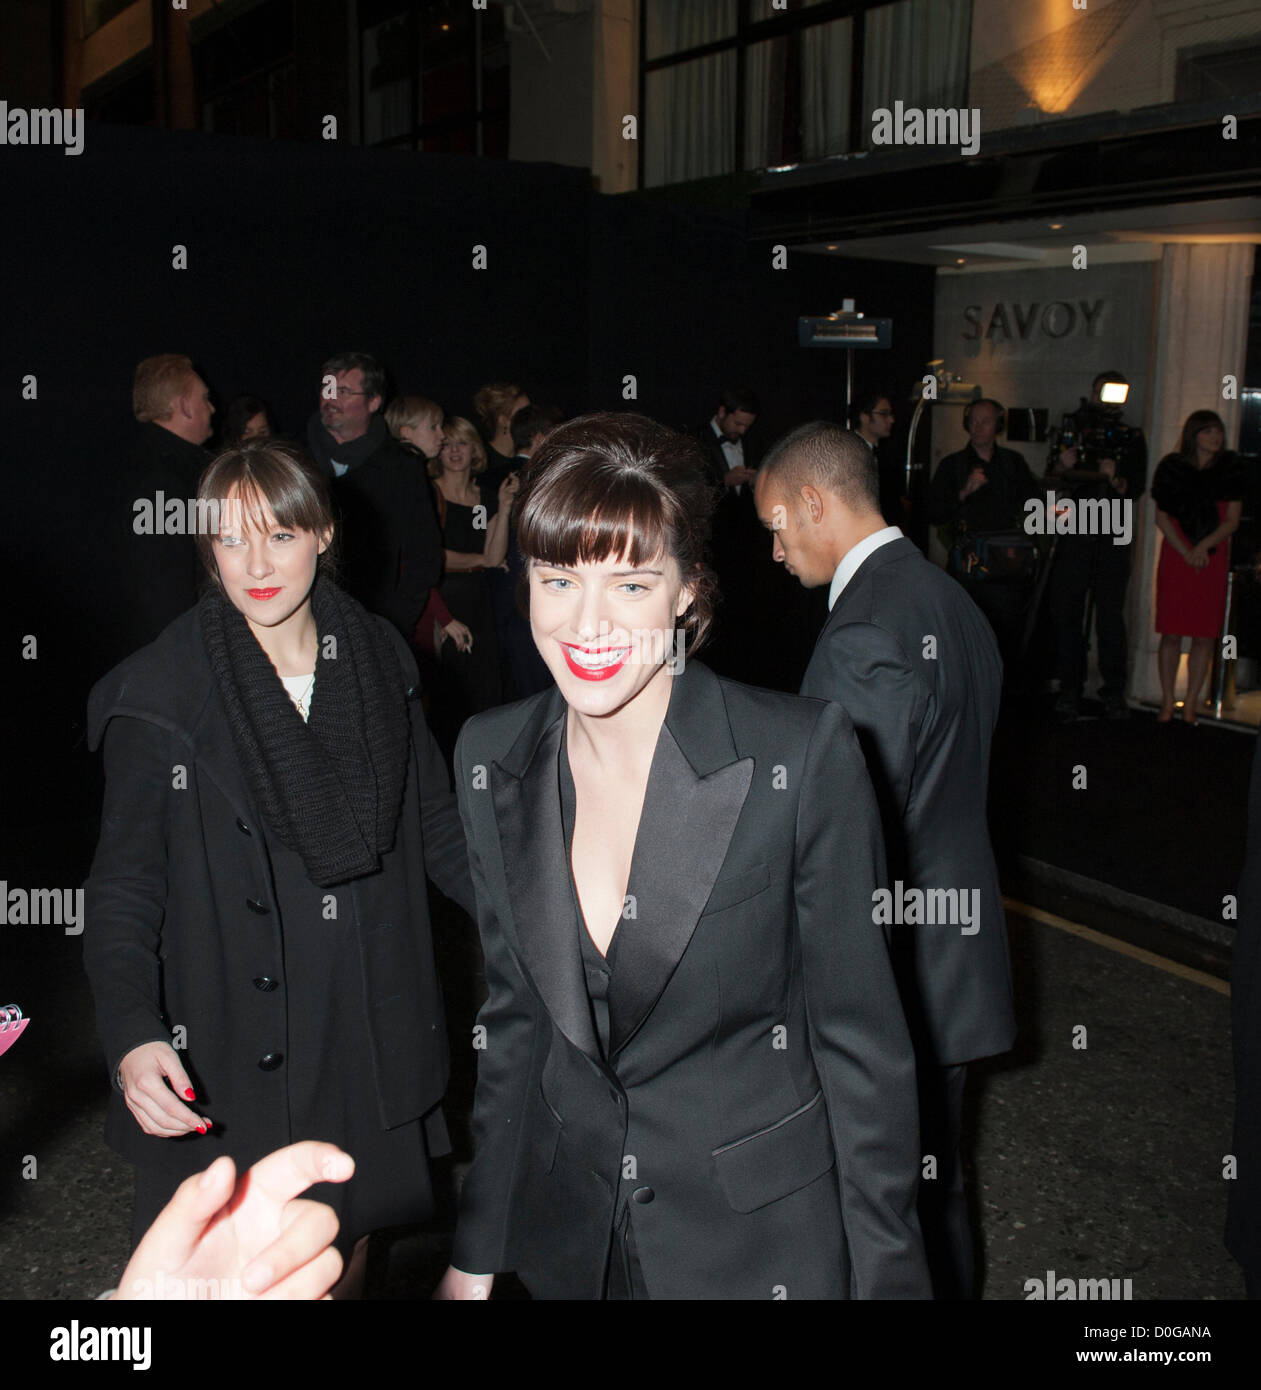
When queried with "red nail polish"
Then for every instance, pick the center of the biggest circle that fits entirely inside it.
(188, 1094)
(201, 1129)
(210, 1124)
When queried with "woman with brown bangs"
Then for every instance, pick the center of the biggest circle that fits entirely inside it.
(258, 938)
(695, 1079)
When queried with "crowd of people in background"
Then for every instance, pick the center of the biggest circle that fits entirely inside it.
(426, 500)
(427, 540)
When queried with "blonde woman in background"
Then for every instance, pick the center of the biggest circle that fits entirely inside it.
(416, 422)
(475, 540)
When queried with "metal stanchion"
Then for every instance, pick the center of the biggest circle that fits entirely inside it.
(1222, 682)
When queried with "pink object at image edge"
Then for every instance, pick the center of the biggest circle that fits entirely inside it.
(10, 1034)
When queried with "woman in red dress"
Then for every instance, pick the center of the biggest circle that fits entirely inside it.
(1198, 493)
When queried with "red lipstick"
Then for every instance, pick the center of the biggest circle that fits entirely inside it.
(594, 673)
(262, 594)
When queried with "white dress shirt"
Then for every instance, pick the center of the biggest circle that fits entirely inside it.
(851, 560)
(732, 450)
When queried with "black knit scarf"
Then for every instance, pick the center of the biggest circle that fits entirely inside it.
(331, 788)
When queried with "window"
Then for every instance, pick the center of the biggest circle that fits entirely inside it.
(246, 75)
(728, 85)
(1221, 74)
(434, 76)
(98, 12)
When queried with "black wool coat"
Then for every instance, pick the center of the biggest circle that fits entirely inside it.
(158, 574)
(182, 904)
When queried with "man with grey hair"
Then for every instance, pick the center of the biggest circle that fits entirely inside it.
(391, 548)
(916, 667)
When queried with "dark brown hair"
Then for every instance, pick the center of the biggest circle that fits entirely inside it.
(1200, 420)
(270, 473)
(621, 486)
(492, 401)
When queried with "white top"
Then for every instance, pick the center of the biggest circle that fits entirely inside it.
(850, 561)
(300, 688)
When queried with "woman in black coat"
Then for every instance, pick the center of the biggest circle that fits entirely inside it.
(694, 1076)
(257, 937)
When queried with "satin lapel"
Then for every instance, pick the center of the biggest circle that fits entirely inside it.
(696, 791)
(531, 835)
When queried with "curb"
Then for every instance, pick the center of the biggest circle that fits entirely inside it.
(1092, 889)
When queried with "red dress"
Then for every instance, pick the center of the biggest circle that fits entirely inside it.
(1191, 602)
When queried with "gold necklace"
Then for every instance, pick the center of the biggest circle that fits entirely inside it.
(301, 701)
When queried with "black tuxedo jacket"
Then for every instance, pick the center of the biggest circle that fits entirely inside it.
(735, 516)
(758, 1103)
(925, 712)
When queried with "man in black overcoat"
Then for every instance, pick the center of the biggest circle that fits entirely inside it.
(391, 547)
(161, 572)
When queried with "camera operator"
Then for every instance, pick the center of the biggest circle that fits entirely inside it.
(1100, 456)
(977, 501)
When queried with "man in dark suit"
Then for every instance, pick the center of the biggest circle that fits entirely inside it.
(172, 407)
(731, 465)
(916, 667)
(873, 410)
(391, 545)
(758, 612)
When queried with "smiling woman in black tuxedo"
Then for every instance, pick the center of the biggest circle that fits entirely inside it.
(695, 1080)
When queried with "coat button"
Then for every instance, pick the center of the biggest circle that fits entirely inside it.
(255, 906)
(413, 692)
(270, 1061)
(242, 827)
(265, 983)
(642, 1195)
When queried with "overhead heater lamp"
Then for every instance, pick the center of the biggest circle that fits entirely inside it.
(845, 329)
(951, 389)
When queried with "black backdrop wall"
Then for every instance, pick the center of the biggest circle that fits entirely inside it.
(296, 251)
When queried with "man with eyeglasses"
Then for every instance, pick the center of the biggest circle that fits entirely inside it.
(391, 548)
(874, 411)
